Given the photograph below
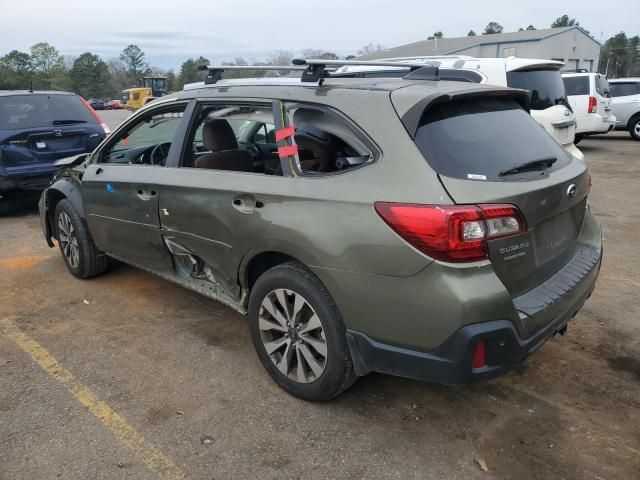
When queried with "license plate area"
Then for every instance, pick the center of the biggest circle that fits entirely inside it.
(553, 234)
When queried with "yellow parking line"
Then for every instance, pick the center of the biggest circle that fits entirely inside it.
(153, 458)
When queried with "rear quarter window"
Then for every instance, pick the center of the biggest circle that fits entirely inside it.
(576, 85)
(38, 110)
(478, 138)
(602, 86)
(546, 87)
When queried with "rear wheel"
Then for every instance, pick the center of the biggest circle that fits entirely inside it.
(298, 333)
(80, 254)
(634, 127)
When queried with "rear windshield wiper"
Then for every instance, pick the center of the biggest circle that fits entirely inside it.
(539, 164)
(67, 122)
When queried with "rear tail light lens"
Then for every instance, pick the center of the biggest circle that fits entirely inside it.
(452, 233)
(105, 127)
(480, 355)
(593, 105)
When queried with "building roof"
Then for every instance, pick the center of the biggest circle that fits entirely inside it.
(450, 46)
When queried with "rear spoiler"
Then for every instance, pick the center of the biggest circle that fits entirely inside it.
(411, 119)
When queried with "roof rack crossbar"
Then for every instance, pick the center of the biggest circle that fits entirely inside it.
(214, 72)
(315, 70)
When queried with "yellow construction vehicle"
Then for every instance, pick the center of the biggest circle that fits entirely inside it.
(152, 88)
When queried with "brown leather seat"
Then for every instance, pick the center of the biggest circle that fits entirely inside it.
(219, 139)
(320, 144)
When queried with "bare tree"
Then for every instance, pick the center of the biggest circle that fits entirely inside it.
(370, 49)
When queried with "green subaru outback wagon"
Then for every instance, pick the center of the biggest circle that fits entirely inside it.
(409, 226)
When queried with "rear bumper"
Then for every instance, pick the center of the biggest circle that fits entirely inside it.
(594, 123)
(31, 182)
(451, 362)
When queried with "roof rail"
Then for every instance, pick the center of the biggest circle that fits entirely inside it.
(315, 70)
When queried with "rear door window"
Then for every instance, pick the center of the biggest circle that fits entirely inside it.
(620, 89)
(546, 86)
(41, 110)
(576, 85)
(479, 138)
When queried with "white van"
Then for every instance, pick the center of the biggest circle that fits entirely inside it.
(590, 99)
(549, 104)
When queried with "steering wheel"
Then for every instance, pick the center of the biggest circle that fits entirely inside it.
(160, 153)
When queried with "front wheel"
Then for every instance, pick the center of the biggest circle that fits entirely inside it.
(80, 254)
(298, 333)
(634, 127)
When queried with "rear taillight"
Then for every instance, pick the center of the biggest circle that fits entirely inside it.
(105, 127)
(593, 105)
(452, 233)
(480, 355)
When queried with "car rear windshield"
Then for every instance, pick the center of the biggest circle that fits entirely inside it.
(480, 137)
(41, 110)
(576, 85)
(546, 87)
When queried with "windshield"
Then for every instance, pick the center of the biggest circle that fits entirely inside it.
(41, 110)
(479, 138)
(546, 87)
(155, 130)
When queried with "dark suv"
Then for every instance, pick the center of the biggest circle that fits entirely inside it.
(36, 130)
(408, 226)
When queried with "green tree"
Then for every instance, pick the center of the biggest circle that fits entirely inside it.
(15, 70)
(492, 27)
(135, 62)
(48, 66)
(531, 27)
(620, 56)
(90, 77)
(189, 72)
(438, 35)
(471, 33)
(171, 81)
(564, 21)
(45, 59)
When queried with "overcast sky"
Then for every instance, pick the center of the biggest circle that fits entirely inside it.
(170, 32)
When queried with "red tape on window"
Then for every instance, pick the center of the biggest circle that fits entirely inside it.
(287, 151)
(285, 133)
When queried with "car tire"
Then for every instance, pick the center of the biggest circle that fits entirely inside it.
(80, 254)
(634, 127)
(290, 307)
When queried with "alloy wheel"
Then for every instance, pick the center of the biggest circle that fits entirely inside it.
(292, 335)
(636, 129)
(68, 240)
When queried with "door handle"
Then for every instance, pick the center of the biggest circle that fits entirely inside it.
(145, 195)
(99, 170)
(246, 203)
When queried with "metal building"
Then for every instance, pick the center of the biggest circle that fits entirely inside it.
(571, 45)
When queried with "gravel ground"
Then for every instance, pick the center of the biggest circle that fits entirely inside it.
(179, 370)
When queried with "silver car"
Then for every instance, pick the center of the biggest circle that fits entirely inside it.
(625, 104)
